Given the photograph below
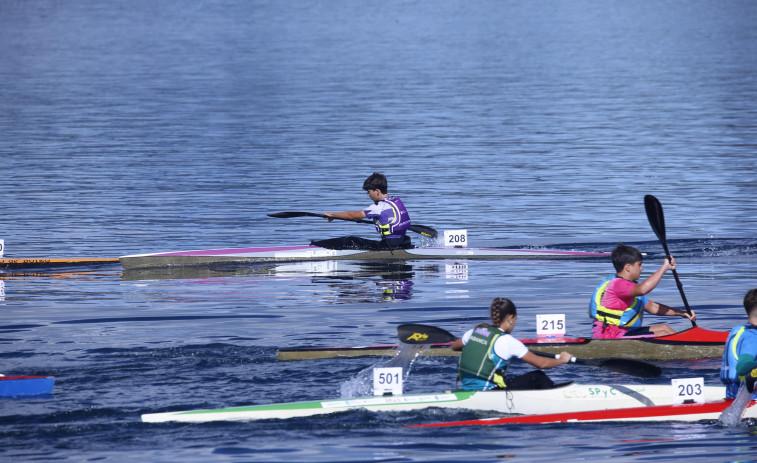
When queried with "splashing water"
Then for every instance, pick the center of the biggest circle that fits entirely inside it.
(361, 384)
(731, 416)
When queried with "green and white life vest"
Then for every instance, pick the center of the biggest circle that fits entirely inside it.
(479, 360)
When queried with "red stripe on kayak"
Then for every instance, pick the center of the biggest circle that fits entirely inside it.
(22, 377)
(694, 335)
(555, 341)
(617, 414)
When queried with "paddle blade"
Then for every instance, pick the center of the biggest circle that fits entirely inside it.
(618, 365)
(423, 334)
(424, 231)
(657, 221)
(288, 215)
(630, 367)
(655, 216)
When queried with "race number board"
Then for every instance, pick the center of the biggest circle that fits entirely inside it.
(550, 325)
(688, 390)
(387, 381)
(455, 238)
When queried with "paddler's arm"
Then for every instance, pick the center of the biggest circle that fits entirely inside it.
(646, 286)
(546, 362)
(457, 344)
(347, 215)
(663, 310)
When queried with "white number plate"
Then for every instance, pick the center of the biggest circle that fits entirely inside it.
(687, 390)
(550, 325)
(455, 238)
(387, 381)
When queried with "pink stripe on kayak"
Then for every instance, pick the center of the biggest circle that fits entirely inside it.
(215, 252)
(220, 252)
(557, 252)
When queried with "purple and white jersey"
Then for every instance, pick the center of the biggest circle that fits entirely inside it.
(390, 216)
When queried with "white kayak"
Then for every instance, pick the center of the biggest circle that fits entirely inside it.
(567, 398)
(206, 257)
(687, 412)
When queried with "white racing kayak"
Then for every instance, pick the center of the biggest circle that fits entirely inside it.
(567, 398)
(687, 412)
(314, 253)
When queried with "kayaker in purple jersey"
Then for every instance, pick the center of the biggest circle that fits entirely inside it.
(388, 213)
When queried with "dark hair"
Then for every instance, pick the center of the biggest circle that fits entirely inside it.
(750, 301)
(375, 182)
(502, 307)
(623, 255)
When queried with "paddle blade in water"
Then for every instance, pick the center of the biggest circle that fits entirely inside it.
(424, 230)
(630, 367)
(618, 365)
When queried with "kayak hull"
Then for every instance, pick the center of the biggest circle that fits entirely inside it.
(314, 253)
(693, 343)
(710, 410)
(34, 262)
(567, 398)
(13, 386)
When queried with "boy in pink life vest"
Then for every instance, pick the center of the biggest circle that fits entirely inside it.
(619, 303)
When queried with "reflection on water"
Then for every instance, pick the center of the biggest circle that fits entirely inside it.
(346, 281)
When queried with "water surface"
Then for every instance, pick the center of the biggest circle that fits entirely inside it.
(133, 127)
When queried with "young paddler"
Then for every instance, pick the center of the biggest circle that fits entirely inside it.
(487, 350)
(619, 303)
(388, 214)
(740, 350)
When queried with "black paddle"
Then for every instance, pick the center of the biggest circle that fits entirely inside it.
(618, 365)
(426, 334)
(657, 221)
(423, 334)
(420, 229)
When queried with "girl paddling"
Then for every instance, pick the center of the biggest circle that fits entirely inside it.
(487, 349)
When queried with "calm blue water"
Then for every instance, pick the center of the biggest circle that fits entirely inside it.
(141, 126)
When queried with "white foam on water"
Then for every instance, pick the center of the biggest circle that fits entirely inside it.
(361, 384)
(731, 416)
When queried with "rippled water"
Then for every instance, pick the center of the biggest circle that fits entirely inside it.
(132, 127)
